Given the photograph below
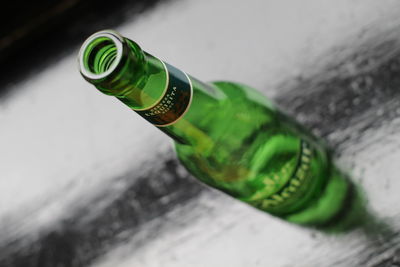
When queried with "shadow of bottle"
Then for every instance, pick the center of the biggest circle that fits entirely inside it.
(341, 206)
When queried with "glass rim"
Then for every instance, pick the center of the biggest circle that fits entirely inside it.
(114, 37)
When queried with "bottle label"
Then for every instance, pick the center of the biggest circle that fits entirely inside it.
(174, 102)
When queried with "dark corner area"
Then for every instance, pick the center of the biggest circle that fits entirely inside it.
(35, 33)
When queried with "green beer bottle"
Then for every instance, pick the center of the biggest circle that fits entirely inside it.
(226, 134)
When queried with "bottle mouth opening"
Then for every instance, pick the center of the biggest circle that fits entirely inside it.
(100, 54)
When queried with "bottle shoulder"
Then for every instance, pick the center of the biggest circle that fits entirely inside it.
(237, 89)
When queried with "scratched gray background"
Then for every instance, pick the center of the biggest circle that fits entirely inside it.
(86, 182)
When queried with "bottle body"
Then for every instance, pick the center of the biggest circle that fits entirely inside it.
(226, 134)
(262, 157)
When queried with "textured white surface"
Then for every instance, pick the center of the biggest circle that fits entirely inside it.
(257, 42)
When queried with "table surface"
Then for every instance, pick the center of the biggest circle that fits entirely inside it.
(86, 182)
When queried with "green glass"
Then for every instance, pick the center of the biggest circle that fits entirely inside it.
(229, 135)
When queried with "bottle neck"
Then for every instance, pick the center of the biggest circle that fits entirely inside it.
(157, 91)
